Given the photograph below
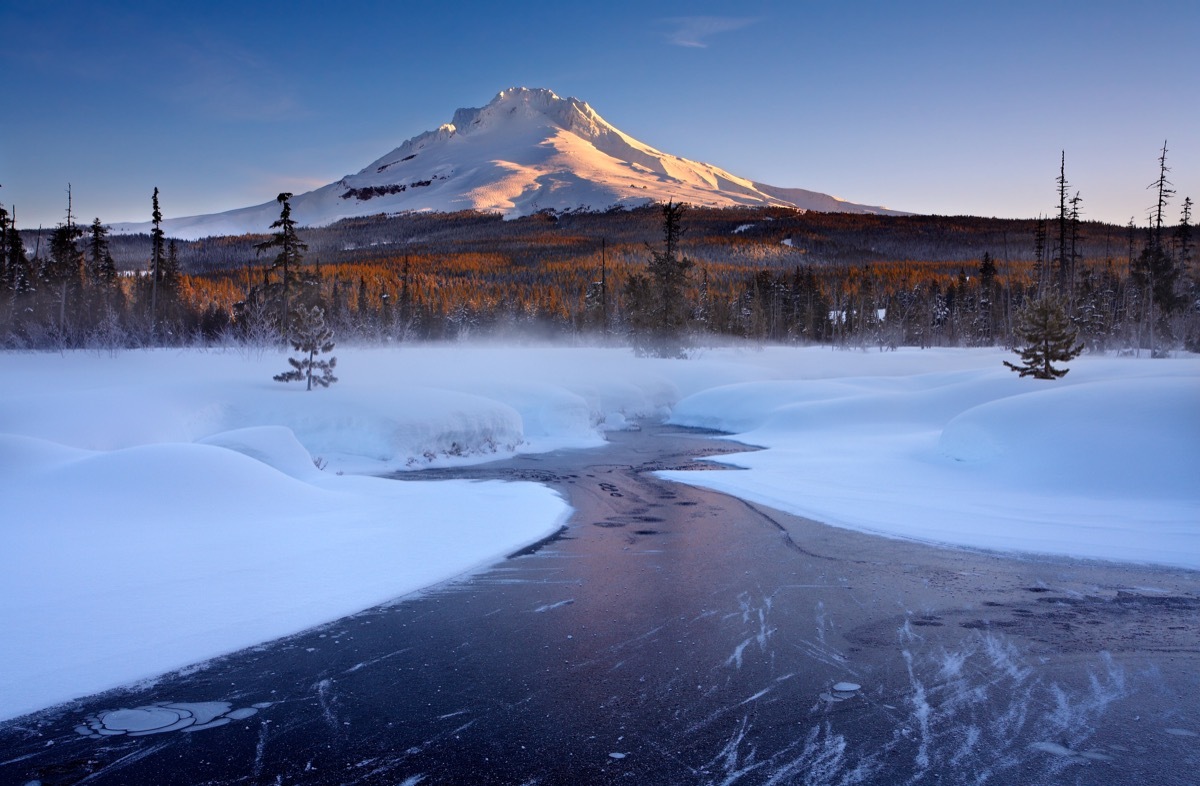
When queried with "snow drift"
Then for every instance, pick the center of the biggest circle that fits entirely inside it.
(1100, 464)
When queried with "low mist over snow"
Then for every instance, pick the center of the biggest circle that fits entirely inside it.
(163, 507)
(528, 150)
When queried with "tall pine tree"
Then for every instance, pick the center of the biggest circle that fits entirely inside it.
(657, 310)
(20, 271)
(1154, 270)
(156, 258)
(287, 260)
(1062, 258)
(4, 277)
(63, 269)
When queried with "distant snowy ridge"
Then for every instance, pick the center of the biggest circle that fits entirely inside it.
(526, 151)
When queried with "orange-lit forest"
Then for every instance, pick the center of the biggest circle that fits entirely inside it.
(773, 274)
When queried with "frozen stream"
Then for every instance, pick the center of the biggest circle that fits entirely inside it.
(674, 635)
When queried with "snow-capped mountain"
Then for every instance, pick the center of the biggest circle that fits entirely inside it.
(528, 150)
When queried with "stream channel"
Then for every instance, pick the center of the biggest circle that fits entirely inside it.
(673, 635)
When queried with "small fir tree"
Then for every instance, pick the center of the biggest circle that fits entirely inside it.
(1045, 330)
(311, 337)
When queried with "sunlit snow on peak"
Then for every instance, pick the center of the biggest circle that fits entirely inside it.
(526, 151)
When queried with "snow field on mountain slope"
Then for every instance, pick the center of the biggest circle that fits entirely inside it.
(163, 507)
(528, 150)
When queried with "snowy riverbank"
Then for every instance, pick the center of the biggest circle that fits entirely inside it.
(1100, 464)
(163, 507)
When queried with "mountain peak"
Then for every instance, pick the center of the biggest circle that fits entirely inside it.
(527, 150)
(526, 104)
(541, 96)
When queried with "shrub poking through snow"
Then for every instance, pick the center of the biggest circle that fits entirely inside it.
(1046, 332)
(311, 337)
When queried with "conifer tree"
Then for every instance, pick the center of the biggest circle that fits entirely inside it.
(4, 277)
(1154, 270)
(1183, 233)
(101, 267)
(1165, 192)
(1045, 330)
(985, 328)
(658, 311)
(64, 267)
(170, 272)
(156, 257)
(1183, 238)
(1075, 253)
(291, 252)
(1064, 220)
(669, 270)
(1039, 255)
(20, 271)
(310, 337)
(1191, 277)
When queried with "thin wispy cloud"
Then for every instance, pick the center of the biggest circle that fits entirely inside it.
(232, 83)
(694, 31)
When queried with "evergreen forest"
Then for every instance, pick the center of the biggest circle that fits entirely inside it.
(659, 278)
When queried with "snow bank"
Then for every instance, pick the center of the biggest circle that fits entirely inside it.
(1100, 464)
(1102, 439)
(119, 565)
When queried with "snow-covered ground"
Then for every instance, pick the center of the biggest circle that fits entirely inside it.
(1100, 464)
(163, 507)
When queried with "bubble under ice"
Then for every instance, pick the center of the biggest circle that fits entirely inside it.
(162, 717)
(841, 692)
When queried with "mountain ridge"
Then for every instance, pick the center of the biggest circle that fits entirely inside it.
(526, 151)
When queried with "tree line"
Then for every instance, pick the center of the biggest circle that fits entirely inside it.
(660, 278)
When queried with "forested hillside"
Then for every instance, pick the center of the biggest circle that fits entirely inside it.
(769, 274)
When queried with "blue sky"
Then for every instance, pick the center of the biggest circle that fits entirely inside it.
(933, 107)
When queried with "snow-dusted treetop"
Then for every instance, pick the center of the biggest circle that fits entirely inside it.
(527, 150)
